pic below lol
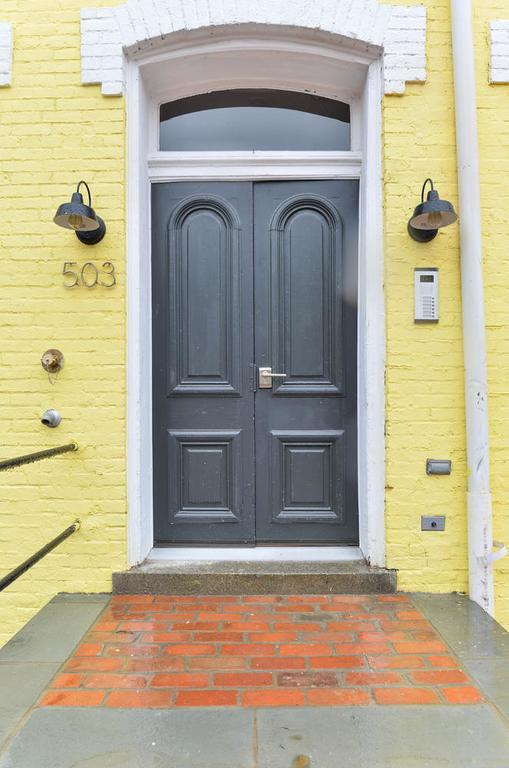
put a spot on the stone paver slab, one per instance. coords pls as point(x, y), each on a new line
point(383, 737)
point(492, 676)
point(20, 685)
point(81, 597)
point(53, 633)
point(77, 738)
point(470, 632)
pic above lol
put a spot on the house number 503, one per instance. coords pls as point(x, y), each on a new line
point(89, 274)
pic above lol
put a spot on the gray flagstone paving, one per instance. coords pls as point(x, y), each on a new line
point(474, 736)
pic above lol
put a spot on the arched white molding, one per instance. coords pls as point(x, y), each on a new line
point(499, 51)
point(399, 31)
point(5, 54)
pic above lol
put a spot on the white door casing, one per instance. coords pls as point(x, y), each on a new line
point(262, 61)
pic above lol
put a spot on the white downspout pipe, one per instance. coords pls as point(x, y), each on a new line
point(480, 536)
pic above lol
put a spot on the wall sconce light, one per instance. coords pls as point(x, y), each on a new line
point(430, 216)
point(90, 228)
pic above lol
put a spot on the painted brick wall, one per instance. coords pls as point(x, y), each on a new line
point(53, 132)
point(425, 405)
point(425, 391)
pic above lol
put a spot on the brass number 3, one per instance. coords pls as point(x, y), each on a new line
point(88, 276)
point(109, 268)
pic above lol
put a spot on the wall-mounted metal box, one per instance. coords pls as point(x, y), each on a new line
point(438, 466)
point(433, 523)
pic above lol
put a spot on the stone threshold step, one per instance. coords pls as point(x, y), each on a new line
point(251, 578)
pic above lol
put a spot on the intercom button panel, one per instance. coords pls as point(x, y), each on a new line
point(426, 295)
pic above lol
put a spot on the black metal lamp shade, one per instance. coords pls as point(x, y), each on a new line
point(430, 215)
point(81, 218)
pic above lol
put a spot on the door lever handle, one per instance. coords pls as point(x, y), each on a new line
point(265, 377)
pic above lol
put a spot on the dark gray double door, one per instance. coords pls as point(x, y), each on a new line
point(247, 275)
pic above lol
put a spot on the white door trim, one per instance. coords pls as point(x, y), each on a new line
point(145, 166)
point(160, 555)
point(238, 166)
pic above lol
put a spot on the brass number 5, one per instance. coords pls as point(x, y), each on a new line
point(66, 272)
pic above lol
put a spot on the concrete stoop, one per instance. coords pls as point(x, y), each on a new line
point(248, 578)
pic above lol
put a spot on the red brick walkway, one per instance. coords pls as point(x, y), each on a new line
point(260, 651)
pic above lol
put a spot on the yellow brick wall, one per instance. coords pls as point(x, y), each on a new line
point(424, 396)
point(54, 131)
point(425, 391)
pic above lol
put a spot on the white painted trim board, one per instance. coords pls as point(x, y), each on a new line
point(144, 163)
point(255, 554)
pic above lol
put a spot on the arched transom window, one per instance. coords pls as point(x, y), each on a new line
point(255, 119)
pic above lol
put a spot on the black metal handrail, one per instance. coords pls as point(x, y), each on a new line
point(29, 562)
point(37, 456)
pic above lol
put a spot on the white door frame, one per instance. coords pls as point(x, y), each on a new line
point(147, 86)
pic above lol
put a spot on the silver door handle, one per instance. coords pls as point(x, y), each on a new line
point(265, 377)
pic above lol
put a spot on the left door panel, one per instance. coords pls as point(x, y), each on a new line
point(202, 327)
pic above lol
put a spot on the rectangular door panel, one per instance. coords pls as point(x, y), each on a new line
point(209, 467)
point(307, 477)
point(306, 236)
point(203, 400)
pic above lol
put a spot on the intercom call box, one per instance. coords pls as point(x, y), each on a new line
point(426, 295)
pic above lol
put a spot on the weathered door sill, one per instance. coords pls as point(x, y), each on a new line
point(255, 554)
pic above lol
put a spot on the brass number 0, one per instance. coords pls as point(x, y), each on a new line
point(88, 276)
point(92, 269)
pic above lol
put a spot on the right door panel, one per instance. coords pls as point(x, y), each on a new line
point(305, 243)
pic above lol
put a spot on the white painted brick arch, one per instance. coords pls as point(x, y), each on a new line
point(397, 30)
point(5, 54)
point(499, 53)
